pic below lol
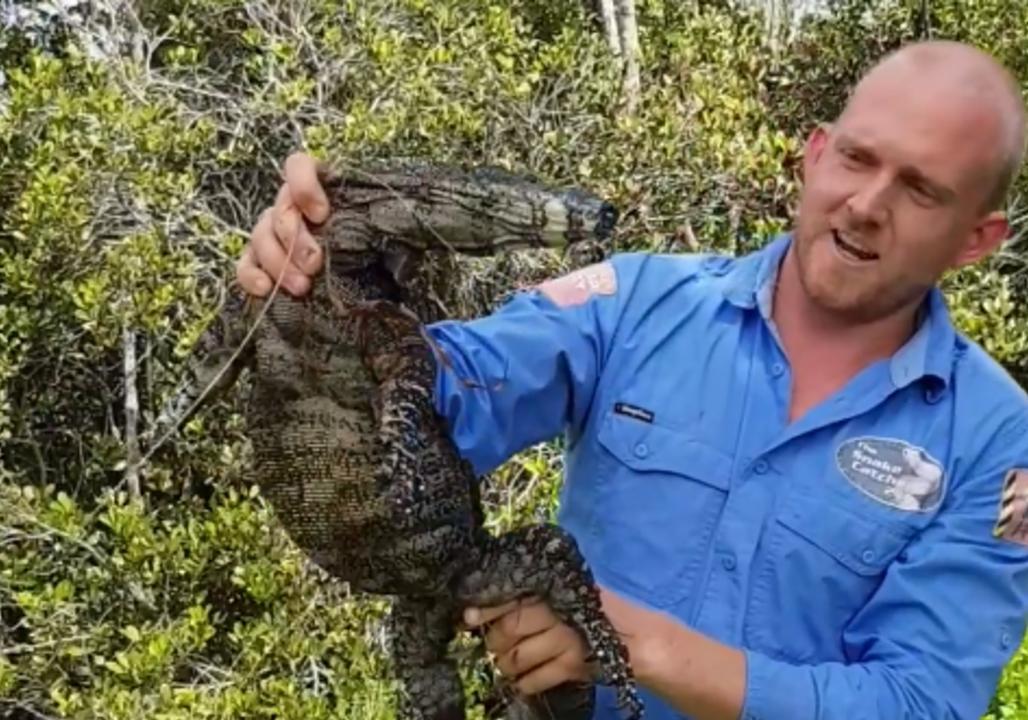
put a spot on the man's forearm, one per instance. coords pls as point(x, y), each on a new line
point(708, 680)
point(694, 674)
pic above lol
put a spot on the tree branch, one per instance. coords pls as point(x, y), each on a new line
point(131, 414)
point(610, 26)
point(628, 34)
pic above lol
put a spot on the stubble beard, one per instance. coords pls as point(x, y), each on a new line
point(836, 296)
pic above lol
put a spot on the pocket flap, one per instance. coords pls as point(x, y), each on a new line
point(649, 447)
point(864, 545)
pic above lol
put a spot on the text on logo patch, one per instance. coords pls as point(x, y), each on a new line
point(892, 471)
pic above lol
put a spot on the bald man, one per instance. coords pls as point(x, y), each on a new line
point(801, 490)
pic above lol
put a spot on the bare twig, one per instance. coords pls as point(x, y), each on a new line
point(128, 344)
point(629, 37)
point(610, 26)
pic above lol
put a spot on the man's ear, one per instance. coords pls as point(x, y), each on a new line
point(816, 143)
point(984, 239)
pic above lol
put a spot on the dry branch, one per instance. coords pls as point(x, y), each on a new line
point(131, 414)
point(610, 26)
point(628, 33)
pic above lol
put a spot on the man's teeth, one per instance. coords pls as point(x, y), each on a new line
point(851, 249)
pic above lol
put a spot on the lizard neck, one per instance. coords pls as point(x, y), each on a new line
point(353, 278)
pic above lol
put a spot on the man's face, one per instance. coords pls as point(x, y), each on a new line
point(893, 196)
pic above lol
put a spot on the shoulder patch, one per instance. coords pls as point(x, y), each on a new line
point(1012, 523)
point(577, 287)
point(892, 471)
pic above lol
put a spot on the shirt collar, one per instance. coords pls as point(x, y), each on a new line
point(750, 282)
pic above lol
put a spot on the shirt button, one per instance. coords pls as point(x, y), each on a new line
point(728, 562)
point(760, 467)
point(868, 556)
point(641, 450)
point(777, 369)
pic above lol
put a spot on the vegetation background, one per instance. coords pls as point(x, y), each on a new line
point(139, 141)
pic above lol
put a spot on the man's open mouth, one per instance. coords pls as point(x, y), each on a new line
point(851, 250)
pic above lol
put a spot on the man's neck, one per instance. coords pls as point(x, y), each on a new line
point(824, 350)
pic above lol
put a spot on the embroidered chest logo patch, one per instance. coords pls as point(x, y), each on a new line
point(1012, 523)
point(892, 472)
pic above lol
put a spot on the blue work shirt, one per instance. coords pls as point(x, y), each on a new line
point(855, 555)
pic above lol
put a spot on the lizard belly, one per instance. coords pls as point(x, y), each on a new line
point(315, 465)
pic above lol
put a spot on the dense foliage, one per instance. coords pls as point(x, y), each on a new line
point(138, 143)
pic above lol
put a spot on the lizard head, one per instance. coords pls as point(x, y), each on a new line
point(405, 210)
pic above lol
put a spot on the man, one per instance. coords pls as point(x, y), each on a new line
point(799, 487)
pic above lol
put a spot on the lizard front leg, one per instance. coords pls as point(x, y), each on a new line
point(396, 352)
point(421, 631)
point(544, 560)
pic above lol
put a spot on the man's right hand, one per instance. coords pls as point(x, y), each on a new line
point(282, 226)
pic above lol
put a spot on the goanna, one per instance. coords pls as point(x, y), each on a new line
point(347, 445)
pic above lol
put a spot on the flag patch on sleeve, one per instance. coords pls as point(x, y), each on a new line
point(577, 287)
point(1012, 523)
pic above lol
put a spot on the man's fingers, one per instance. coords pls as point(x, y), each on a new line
point(307, 195)
point(564, 668)
point(270, 256)
point(532, 652)
point(522, 622)
point(476, 616)
point(281, 244)
point(309, 259)
point(292, 232)
point(251, 278)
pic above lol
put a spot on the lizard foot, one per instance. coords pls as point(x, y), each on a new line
point(544, 560)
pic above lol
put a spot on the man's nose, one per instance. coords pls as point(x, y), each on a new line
point(869, 203)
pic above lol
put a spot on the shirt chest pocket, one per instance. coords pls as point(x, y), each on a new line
point(659, 495)
point(838, 555)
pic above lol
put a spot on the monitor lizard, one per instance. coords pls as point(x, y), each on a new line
point(349, 450)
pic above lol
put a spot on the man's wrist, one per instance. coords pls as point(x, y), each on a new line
point(693, 672)
point(650, 654)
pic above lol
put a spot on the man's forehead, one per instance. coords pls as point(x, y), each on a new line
point(921, 98)
point(950, 104)
point(923, 126)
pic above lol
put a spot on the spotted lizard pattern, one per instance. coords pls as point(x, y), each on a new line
point(348, 447)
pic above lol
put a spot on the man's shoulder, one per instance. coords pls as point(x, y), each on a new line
point(979, 375)
point(991, 407)
point(653, 274)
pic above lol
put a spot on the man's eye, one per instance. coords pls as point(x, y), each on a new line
point(923, 193)
point(852, 156)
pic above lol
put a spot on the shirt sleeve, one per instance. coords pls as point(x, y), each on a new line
point(527, 372)
point(937, 634)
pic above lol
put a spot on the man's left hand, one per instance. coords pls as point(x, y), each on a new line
point(536, 651)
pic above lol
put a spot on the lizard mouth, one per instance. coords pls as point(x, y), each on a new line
point(608, 218)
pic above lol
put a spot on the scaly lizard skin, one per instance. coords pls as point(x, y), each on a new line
point(348, 447)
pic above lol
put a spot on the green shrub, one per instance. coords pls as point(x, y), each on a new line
point(129, 182)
